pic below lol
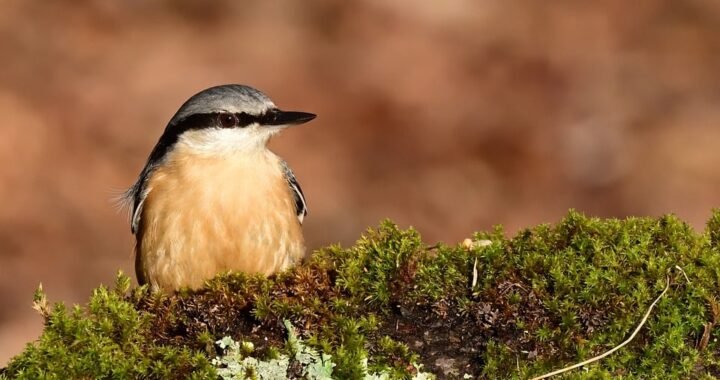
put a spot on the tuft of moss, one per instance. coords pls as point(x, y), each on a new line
point(108, 338)
point(515, 307)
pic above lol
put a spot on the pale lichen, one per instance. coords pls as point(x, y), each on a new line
point(237, 363)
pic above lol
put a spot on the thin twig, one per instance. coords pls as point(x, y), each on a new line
point(621, 345)
point(475, 275)
point(683, 272)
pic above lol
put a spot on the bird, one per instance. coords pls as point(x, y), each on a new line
point(212, 198)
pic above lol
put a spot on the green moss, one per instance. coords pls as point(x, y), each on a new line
point(514, 308)
point(109, 338)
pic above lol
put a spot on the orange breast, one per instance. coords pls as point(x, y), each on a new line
point(206, 215)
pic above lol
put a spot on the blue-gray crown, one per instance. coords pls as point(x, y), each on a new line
point(225, 98)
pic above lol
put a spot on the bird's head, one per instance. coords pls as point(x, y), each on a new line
point(228, 118)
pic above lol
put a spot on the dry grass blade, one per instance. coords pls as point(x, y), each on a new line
point(621, 345)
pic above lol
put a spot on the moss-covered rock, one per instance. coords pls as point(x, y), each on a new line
point(508, 308)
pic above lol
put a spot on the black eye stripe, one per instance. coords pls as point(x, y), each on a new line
point(241, 119)
point(214, 119)
point(245, 119)
point(268, 117)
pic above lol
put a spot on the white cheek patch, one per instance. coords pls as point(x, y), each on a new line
point(226, 140)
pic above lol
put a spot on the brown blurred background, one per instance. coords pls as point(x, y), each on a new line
point(448, 116)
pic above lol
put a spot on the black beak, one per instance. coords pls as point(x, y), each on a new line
point(278, 117)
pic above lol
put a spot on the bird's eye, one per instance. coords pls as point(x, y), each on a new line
point(228, 120)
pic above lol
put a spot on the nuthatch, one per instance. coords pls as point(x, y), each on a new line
point(212, 197)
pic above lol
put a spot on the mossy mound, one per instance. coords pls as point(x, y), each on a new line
point(511, 308)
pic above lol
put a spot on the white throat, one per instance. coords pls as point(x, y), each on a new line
point(220, 141)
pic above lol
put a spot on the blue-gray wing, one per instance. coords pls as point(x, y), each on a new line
point(301, 208)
